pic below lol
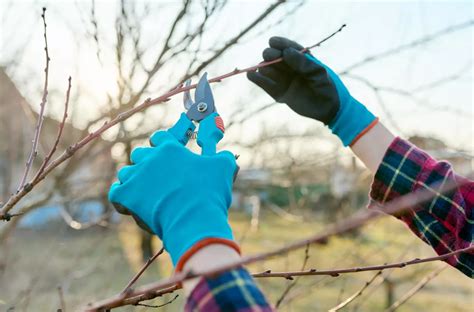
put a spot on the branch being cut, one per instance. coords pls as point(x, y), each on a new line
point(395, 206)
point(71, 150)
point(39, 124)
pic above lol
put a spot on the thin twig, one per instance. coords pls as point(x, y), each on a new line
point(337, 272)
point(134, 300)
point(39, 124)
point(409, 45)
point(356, 294)
point(395, 206)
point(377, 92)
point(278, 60)
point(384, 276)
point(71, 150)
point(95, 33)
point(293, 281)
point(157, 306)
point(235, 39)
point(144, 267)
point(122, 300)
point(58, 136)
point(415, 289)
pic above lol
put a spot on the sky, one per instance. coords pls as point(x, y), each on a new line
point(446, 111)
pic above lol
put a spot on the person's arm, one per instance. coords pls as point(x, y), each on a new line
point(313, 90)
point(234, 290)
point(372, 146)
point(445, 222)
point(183, 198)
point(205, 259)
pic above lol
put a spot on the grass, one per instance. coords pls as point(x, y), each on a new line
point(95, 264)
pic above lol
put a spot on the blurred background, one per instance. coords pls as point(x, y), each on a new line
point(409, 62)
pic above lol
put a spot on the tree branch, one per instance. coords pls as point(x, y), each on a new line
point(356, 294)
point(39, 124)
point(395, 206)
point(60, 132)
point(71, 150)
point(234, 40)
point(294, 282)
point(139, 273)
point(157, 305)
point(409, 45)
point(415, 289)
point(380, 267)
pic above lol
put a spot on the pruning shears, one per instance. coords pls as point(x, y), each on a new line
point(203, 111)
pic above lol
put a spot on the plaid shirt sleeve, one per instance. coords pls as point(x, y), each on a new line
point(230, 291)
point(446, 221)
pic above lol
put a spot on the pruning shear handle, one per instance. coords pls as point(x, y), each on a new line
point(211, 131)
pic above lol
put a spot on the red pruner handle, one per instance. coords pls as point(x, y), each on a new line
point(211, 131)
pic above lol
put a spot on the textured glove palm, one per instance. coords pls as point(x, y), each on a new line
point(311, 89)
point(179, 195)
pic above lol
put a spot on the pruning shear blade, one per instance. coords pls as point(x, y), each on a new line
point(203, 104)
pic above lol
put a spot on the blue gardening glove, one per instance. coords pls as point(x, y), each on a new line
point(311, 89)
point(178, 195)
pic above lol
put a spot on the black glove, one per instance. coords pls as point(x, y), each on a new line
point(312, 89)
point(299, 80)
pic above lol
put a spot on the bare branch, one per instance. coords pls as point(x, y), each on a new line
point(248, 115)
point(39, 124)
point(356, 294)
point(280, 21)
point(409, 45)
point(16, 217)
point(410, 94)
point(71, 150)
point(234, 40)
point(337, 272)
point(380, 100)
point(450, 78)
point(159, 305)
point(139, 273)
point(60, 132)
point(396, 206)
point(293, 282)
point(95, 33)
point(415, 289)
point(122, 300)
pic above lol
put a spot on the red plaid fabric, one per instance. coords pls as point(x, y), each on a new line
point(445, 222)
point(233, 291)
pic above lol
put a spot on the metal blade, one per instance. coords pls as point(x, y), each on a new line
point(187, 96)
point(204, 93)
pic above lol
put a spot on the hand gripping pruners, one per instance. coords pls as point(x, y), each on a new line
point(202, 111)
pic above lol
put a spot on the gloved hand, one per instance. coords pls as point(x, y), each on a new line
point(311, 89)
point(179, 195)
